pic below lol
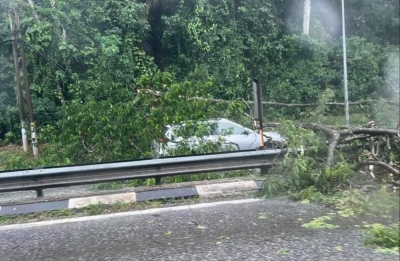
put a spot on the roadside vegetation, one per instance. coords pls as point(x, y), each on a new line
point(106, 79)
point(175, 179)
point(339, 179)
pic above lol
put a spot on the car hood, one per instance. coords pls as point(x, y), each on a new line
point(274, 136)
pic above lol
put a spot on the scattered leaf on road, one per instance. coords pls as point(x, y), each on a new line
point(201, 227)
point(320, 222)
point(262, 216)
point(283, 251)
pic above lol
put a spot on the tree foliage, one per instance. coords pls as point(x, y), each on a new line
point(88, 61)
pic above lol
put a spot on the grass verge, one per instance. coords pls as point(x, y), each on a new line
point(173, 179)
point(99, 209)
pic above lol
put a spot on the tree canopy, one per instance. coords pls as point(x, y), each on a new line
point(95, 65)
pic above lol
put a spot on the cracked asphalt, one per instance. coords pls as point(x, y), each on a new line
point(248, 230)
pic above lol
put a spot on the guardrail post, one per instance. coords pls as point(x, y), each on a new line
point(39, 193)
point(264, 171)
point(158, 180)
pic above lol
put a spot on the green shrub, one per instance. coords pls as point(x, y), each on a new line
point(379, 235)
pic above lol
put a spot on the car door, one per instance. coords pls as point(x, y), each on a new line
point(237, 135)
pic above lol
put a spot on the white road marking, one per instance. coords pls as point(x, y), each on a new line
point(125, 214)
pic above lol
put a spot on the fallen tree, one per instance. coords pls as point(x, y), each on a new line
point(379, 147)
point(376, 143)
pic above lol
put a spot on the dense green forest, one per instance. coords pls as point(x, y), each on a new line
point(95, 66)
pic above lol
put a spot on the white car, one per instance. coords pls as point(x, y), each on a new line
point(210, 136)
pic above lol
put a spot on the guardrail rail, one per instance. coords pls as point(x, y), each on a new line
point(39, 179)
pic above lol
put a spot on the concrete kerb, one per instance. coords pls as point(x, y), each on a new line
point(208, 190)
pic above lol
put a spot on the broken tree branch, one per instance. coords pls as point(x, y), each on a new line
point(378, 163)
point(370, 131)
point(345, 135)
point(353, 138)
point(269, 103)
point(90, 151)
point(32, 5)
point(332, 146)
point(343, 131)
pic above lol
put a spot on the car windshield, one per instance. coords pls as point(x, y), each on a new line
point(190, 129)
point(229, 128)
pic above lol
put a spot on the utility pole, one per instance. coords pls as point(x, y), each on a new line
point(28, 97)
point(258, 115)
point(346, 92)
point(18, 86)
point(306, 17)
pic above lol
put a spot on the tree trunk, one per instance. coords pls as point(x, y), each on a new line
point(31, 3)
point(63, 36)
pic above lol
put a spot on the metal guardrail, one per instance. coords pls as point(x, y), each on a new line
point(39, 179)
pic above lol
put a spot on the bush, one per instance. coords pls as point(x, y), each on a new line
point(306, 169)
point(383, 236)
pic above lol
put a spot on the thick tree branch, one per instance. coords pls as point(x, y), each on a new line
point(318, 127)
point(32, 5)
point(378, 163)
point(332, 146)
point(343, 131)
point(90, 151)
point(346, 135)
point(281, 104)
point(370, 131)
point(353, 138)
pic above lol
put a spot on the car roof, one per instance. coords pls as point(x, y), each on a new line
point(212, 120)
point(208, 120)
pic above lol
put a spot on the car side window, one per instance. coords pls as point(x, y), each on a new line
point(229, 129)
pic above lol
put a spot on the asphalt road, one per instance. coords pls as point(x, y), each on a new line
point(247, 230)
